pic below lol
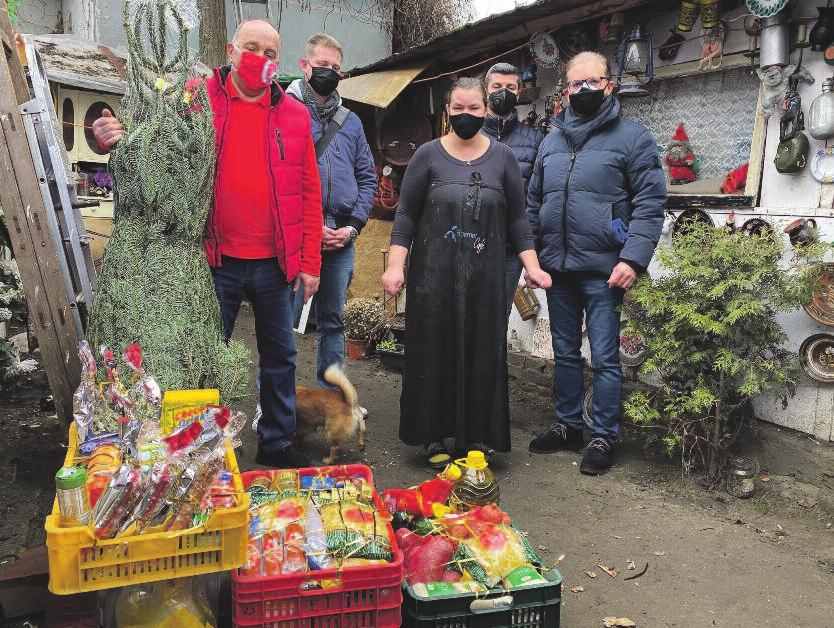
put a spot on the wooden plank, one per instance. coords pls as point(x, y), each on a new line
point(690, 68)
point(32, 242)
point(12, 54)
point(757, 152)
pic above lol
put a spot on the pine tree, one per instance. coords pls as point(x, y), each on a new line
point(155, 285)
point(709, 322)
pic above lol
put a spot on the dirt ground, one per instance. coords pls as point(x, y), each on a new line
point(712, 560)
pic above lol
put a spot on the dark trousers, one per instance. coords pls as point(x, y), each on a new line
point(264, 284)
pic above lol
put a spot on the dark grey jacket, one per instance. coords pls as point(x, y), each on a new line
point(597, 194)
point(522, 139)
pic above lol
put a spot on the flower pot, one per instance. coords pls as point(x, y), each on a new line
point(392, 360)
point(357, 349)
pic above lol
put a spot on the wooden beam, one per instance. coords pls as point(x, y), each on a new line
point(755, 162)
point(690, 68)
point(33, 245)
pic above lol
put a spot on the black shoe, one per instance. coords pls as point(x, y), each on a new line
point(597, 458)
point(558, 437)
point(287, 458)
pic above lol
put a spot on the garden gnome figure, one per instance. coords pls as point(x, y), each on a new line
point(680, 159)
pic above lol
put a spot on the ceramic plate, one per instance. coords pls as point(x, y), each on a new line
point(821, 308)
point(687, 218)
point(817, 354)
point(766, 8)
point(545, 51)
point(757, 227)
point(822, 165)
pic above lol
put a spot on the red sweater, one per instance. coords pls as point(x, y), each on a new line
point(293, 178)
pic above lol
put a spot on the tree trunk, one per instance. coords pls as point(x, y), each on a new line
point(715, 440)
point(213, 34)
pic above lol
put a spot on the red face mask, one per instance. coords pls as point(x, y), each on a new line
point(255, 71)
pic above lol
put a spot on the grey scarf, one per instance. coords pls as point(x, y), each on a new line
point(326, 109)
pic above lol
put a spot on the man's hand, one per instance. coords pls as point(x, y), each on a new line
point(310, 283)
point(538, 279)
point(393, 280)
point(332, 239)
point(107, 130)
point(623, 276)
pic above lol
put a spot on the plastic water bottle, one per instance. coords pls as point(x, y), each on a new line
point(476, 486)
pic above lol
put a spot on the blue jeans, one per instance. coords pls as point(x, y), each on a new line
point(264, 284)
point(512, 267)
point(336, 273)
point(571, 294)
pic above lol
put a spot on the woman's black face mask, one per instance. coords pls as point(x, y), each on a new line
point(465, 125)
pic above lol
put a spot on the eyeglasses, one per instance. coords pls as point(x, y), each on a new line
point(594, 82)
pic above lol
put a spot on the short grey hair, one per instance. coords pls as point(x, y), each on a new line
point(502, 68)
point(590, 55)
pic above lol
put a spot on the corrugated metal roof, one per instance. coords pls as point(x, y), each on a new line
point(78, 62)
point(497, 30)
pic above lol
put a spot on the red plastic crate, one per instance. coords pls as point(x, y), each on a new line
point(365, 597)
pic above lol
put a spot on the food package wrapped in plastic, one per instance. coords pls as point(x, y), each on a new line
point(356, 530)
point(278, 514)
point(492, 552)
point(180, 603)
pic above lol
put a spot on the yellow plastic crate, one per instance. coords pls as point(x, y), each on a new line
point(79, 562)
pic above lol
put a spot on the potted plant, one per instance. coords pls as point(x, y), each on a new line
point(364, 323)
point(391, 354)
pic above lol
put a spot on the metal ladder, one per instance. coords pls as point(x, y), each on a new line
point(59, 198)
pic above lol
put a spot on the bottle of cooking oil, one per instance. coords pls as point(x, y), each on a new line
point(476, 486)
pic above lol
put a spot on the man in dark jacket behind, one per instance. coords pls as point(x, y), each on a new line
point(595, 203)
point(502, 124)
point(348, 182)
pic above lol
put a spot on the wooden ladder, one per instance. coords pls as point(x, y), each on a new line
point(38, 249)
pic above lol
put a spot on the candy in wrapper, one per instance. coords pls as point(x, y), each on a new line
point(153, 502)
point(85, 397)
point(117, 502)
point(203, 475)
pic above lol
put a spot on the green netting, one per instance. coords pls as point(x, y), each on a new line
point(155, 286)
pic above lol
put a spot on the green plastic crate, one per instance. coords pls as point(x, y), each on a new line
point(536, 606)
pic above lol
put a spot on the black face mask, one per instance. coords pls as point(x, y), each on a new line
point(324, 81)
point(502, 102)
point(587, 101)
point(466, 125)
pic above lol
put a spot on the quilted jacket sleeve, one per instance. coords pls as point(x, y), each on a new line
point(647, 184)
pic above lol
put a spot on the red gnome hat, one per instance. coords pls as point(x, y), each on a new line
point(680, 134)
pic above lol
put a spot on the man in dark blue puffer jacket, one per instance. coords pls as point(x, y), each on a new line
point(595, 203)
point(502, 124)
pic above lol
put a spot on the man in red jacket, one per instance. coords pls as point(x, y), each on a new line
point(263, 235)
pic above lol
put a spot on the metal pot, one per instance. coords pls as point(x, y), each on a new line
point(774, 46)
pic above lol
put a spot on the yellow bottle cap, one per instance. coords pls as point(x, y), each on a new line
point(475, 460)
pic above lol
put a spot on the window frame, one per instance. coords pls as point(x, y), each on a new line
point(752, 188)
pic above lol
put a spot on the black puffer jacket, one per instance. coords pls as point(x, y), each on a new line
point(522, 139)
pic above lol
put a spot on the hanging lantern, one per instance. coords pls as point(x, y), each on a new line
point(612, 28)
point(526, 302)
point(636, 63)
point(822, 34)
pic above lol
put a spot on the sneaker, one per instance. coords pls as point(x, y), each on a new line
point(364, 412)
point(287, 458)
point(258, 414)
point(558, 437)
point(597, 458)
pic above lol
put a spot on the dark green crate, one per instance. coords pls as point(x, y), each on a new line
point(535, 606)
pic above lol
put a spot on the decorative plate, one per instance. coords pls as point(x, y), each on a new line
point(817, 355)
point(757, 227)
point(574, 39)
point(822, 165)
point(545, 51)
point(689, 217)
point(821, 308)
point(766, 8)
point(586, 407)
point(633, 351)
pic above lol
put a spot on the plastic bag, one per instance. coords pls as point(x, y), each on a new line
point(355, 530)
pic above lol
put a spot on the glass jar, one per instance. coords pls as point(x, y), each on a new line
point(821, 115)
point(741, 478)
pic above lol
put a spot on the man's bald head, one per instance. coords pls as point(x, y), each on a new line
point(258, 36)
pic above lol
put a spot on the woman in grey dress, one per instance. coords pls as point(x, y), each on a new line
point(461, 199)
